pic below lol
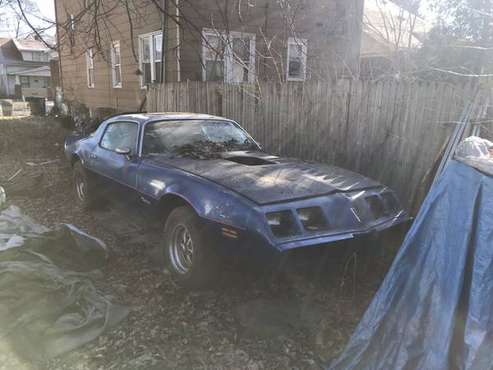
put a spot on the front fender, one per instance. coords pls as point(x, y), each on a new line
point(209, 200)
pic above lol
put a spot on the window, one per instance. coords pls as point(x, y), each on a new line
point(25, 82)
point(150, 50)
point(228, 57)
point(90, 67)
point(38, 56)
point(213, 57)
point(116, 68)
point(120, 135)
point(185, 137)
point(296, 63)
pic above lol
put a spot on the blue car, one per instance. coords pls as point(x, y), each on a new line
point(217, 193)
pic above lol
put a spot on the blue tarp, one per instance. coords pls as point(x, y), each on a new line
point(434, 309)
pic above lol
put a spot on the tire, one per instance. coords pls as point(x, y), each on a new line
point(189, 256)
point(84, 192)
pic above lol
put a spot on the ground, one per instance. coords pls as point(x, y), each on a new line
point(298, 318)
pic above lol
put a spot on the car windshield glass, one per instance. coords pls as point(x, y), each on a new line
point(198, 138)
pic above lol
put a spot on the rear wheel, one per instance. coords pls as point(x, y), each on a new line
point(83, 189)
point(189, 255)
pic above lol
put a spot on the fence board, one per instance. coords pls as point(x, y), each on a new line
point(389, 130)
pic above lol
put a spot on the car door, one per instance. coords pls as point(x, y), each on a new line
point(152, 180)
point(115, 159)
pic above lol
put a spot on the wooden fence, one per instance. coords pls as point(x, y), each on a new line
point(391, 131)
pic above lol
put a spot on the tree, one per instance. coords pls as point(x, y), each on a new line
point(23, 18)
point(470, 20)
point(462, 42)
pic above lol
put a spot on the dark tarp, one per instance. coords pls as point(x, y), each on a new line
point(49, 303)
point(434, 309)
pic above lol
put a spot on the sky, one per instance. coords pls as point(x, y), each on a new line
point(9, 19)
point(47, 8)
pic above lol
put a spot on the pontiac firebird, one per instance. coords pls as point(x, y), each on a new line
point(215, 191)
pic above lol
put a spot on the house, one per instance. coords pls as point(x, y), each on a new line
point(390, 34)
point(110, 54)
point(24, 69)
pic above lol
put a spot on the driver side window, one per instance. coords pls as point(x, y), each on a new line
point(120, 135)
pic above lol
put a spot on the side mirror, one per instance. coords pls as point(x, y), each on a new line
point(123, 151)
point(127, 152)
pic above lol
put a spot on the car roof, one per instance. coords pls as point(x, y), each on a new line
point(163, 116)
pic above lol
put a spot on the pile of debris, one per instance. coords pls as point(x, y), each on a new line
point(433, 310)
point(476, 152)
point(49, 301)
point(9, 107)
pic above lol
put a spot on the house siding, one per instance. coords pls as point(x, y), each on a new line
point(332, 28)
point(73, 59)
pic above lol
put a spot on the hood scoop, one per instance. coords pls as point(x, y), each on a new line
point(249, 160)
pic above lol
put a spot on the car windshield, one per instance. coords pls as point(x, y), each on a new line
point(196, 138)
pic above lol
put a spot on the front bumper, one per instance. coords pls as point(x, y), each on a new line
point(344, 216)
point(342, 235)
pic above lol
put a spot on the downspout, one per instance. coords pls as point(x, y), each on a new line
point(178, 42)
point(58, 46)
point(164, 24)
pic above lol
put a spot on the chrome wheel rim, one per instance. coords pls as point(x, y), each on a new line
point(80, 188)
point(181, 249)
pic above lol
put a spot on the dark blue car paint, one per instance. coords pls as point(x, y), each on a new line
point(212, 189)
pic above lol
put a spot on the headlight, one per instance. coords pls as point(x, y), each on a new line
point(376, 206)
point(312, 218)
point(391, 203)
point(281, 223)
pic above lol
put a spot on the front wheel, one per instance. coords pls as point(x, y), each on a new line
point(190, 257)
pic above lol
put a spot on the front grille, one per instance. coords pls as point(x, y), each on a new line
point(391, 203)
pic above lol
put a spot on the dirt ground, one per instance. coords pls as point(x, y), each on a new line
point(296, 319)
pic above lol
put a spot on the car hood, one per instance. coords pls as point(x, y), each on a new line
point(268, 179)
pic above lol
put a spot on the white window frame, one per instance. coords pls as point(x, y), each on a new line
point(152, 60)
point(115, 45)
point(90, 67)
point(294, 41)
point(228, 57)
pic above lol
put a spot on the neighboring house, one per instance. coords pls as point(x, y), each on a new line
point(24, 69)
point(109, 62)
point(390, 33)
